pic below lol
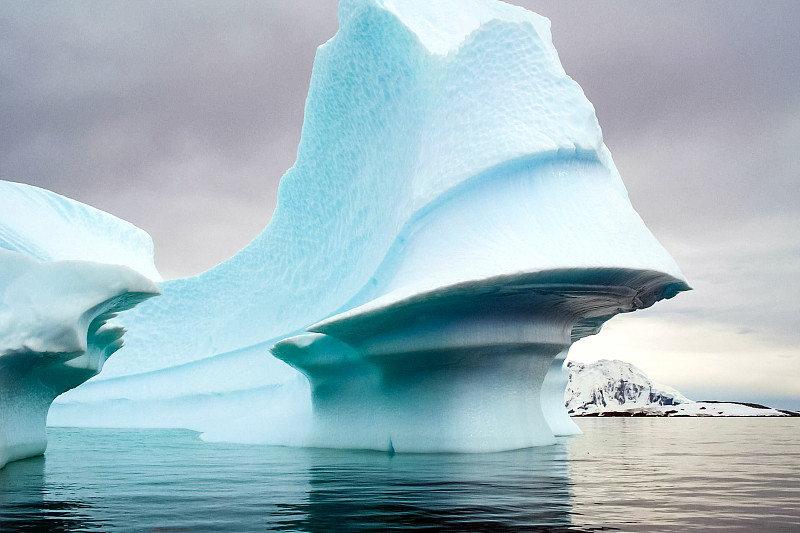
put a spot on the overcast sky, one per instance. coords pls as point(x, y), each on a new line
point(182, 116)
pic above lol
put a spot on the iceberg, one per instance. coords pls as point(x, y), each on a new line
point(54, 336)
point(452, 224)
point(66, 270)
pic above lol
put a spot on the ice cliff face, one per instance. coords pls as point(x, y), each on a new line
point(452, 224)
point(614, 386)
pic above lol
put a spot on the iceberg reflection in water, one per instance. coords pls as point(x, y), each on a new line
point(621, 474)
point(171, 481)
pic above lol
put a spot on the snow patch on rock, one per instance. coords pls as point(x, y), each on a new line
point(612, 386)
point(617, 388)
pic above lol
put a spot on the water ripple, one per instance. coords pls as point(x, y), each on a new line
point(621, 475)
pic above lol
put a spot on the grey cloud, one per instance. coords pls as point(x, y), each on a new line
point(642, 60)
point(698, 102)
point(153, 74)
point(116, 104)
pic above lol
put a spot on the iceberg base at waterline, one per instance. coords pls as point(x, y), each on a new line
point(54, 336)
point(460, 369)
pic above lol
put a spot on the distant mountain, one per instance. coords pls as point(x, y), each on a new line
point(616, 388)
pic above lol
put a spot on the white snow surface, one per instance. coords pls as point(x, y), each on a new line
point(443, 144)
point(718, 409)
point(616, 386)
point(613, 386)
point(45, 303)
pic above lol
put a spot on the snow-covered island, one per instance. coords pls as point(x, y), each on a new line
point(616, 388)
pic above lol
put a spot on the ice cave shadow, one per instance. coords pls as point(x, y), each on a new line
point(524, 490)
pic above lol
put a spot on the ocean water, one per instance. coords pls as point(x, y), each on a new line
point(622, 474)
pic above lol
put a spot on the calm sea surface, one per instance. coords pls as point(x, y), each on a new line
point(622, 474)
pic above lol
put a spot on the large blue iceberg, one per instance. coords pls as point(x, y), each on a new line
point(453, 223)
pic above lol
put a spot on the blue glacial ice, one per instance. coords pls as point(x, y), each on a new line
point(452, 224)
point(60, 285)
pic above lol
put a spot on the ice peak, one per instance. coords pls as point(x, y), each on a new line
point(442, 26)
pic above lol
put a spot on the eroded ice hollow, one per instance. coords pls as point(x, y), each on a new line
point(452, 224)
point(61, 282)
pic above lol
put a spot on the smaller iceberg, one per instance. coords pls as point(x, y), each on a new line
point(55, 305)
